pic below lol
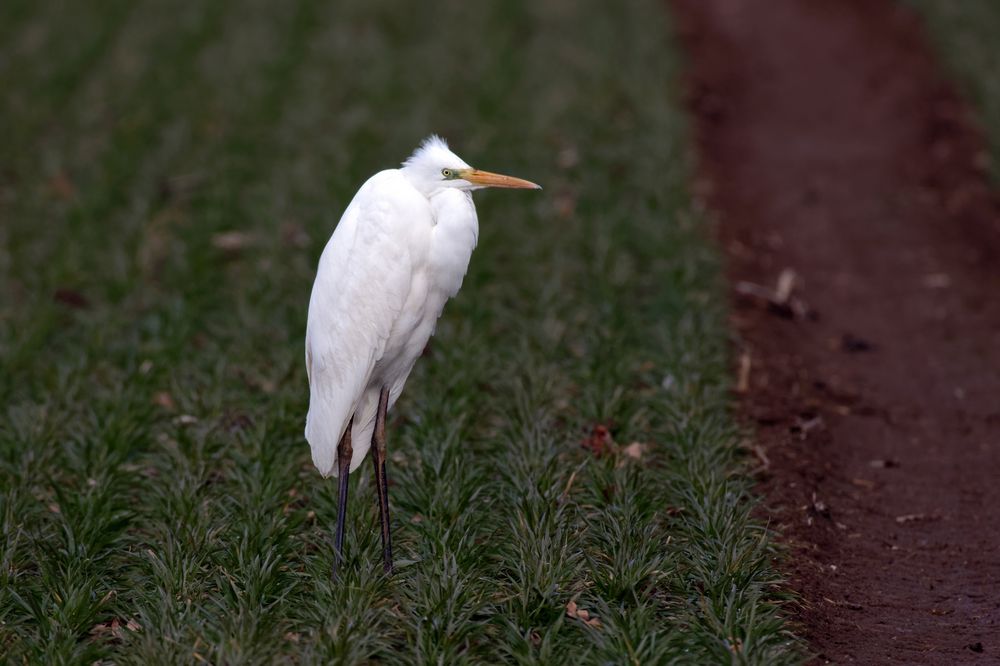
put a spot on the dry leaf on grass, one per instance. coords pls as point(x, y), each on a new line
point(599, 440)
point(115, 628)
point(574, 611)
point(232, 241)
point(634, 451)
point(165, 400)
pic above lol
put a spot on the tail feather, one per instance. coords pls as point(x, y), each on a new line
point(325, 425)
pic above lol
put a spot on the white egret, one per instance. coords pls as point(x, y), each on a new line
point(399, 253)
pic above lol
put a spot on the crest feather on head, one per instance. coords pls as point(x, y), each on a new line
point(433, 150)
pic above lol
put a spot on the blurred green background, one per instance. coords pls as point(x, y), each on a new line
point(169, 173)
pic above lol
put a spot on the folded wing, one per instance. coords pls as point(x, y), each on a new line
point(361, 286)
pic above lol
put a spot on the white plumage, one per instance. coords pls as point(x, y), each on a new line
point(398, 254)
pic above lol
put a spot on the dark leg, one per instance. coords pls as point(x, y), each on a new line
point(381, 482)
point(344, 453)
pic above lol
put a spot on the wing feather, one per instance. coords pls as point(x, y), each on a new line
point(364, 277)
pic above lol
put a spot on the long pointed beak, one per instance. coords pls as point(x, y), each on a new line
point(489, 179)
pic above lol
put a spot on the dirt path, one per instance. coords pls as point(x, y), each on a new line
point(832, 146)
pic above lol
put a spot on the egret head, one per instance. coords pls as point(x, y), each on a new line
point(433, 167)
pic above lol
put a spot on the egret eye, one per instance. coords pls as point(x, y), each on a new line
point(447, 173)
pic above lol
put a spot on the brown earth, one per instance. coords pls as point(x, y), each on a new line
point(831, 145)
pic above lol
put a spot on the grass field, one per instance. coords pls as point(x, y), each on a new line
point(169, 173)
point(965, 34)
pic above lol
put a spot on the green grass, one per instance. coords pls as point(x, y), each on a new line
point(965, 34)
point(158, 501)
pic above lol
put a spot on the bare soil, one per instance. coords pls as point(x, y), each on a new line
point(832, 146)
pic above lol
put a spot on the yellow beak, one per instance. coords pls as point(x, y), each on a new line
point(488, 179)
